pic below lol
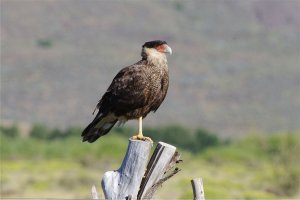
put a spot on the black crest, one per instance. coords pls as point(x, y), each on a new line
point(153, 44)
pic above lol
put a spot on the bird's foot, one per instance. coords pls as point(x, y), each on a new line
point(141, 137)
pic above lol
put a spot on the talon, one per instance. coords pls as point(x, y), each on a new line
point(141, 137)
point(148, 139)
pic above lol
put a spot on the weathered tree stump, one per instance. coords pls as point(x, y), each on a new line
point(161, 161)
point(133, 180)
point(127, 179)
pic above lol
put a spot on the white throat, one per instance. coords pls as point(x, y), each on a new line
point(155, 57)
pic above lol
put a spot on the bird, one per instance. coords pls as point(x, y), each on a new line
point(135, 91)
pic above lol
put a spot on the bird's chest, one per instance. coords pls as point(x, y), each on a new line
point(156, 83)
point(154, 78)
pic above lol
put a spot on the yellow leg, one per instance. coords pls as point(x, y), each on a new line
point(140, 127)
point(140, 135)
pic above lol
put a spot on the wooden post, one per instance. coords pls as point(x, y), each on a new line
point(156, 168)
point(94, 193)
point(198, 190)
point(126, 180)
point(131, 181)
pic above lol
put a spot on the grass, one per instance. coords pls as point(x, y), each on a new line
point(254, 167)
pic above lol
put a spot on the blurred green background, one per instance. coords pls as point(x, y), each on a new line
point(54, 163)
point(232, 109)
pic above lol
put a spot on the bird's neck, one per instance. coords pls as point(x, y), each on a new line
point(153, 57)
point(157, 59)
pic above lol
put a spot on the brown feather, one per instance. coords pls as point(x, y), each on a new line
point(134, 92)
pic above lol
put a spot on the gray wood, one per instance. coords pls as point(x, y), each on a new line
point(169, 173)
point(198, 190)
point(94, 193)
point(157, 166)
point(127, 179)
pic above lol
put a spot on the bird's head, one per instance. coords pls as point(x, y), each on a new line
point(156, 49)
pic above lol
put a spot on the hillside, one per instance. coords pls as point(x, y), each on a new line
point(235, 67)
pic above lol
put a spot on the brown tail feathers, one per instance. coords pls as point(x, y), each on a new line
point(100, 126)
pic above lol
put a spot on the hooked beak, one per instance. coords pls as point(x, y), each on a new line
point(164, 49)
point(167, 49)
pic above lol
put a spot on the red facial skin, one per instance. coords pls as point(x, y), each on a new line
point(162, 48)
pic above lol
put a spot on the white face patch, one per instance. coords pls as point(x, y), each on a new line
point(155, 57)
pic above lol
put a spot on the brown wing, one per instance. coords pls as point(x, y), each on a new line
point(128, 91)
